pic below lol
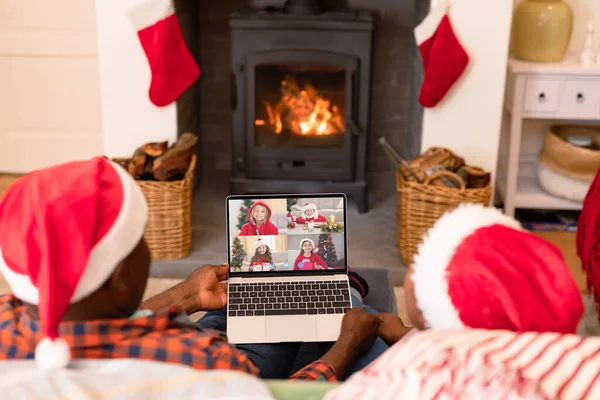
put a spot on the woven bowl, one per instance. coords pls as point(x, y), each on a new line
point(568, 160)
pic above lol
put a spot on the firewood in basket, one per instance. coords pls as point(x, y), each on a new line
point(123, 162)
point(443, 180)
point(474, 177)
point(443, 157)
point(156, 149)
point(138, 162)
point(175, 159)
point(147, 175)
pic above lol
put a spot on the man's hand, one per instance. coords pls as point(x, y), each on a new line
point(357, 335)
point(391, 328)
point(205, 283)
point(201, 291)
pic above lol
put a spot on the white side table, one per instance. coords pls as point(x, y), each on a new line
point(555, 91)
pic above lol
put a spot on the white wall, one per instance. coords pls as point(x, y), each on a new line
point(468, 119)
point(129, 119)
point(584, 11)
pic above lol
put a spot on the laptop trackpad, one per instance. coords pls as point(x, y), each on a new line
point(246, 330)
point(292, 328)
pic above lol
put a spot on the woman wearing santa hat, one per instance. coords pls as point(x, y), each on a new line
point(310, 214)
point(477, 268)
point(495, 310)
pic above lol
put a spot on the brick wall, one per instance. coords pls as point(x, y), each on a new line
point(395, 112)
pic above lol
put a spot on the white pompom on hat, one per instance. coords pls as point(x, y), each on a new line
point(63, 231)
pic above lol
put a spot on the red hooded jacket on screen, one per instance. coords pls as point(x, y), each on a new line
point(267, 228)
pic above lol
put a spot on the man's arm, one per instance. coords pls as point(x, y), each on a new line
point(181, 296)
point(203, 290)
point(357, 335)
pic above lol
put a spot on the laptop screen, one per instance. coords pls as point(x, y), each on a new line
point(280, 235)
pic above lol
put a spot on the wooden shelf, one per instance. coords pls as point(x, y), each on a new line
point(564, 91)
point(566, 67)
point(531, 195)
point(529, 192)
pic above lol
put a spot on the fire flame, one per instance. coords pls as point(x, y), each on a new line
point(303, 111)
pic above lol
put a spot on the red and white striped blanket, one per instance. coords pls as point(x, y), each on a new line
point(480, 364)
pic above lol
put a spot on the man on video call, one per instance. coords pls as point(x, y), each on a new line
point(73, 253)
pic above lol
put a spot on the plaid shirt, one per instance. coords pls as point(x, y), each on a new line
point(168, 336)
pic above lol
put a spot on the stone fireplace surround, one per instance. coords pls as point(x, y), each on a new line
point(206, 107)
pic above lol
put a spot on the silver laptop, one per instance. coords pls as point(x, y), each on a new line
point(288, 278)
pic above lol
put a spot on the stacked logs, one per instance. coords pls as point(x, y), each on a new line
point(434, 161)
point(158, 162)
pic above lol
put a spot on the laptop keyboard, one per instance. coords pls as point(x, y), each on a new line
point(284, 298)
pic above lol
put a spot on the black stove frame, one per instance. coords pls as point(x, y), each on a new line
point(339, 39)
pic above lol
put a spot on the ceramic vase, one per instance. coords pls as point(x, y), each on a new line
point(542, 30)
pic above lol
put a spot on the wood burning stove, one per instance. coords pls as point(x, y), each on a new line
point(301, 100)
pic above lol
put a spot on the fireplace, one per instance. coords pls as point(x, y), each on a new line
point(301, 95)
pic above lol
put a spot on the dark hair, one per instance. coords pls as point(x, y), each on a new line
point(302, 250)
point(258, 256)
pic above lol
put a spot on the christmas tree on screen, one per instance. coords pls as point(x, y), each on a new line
point(291, 202)
point(243, 216)
point(327, 250)
point(237, 254)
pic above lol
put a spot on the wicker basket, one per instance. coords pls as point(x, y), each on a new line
point(169, 231)
point(420, 205)
point(569, 160)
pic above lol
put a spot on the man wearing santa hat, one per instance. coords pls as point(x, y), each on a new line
point(73, 252)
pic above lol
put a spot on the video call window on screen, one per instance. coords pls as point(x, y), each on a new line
point(286, 234)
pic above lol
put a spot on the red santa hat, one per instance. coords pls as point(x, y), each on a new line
point(261, 242)
point(311, 242)
point(477, 268)
point(63, 230)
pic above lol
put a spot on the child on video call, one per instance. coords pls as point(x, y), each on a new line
point(259, 221)
point(307, 259)
point(262, 255)
point(310, 214)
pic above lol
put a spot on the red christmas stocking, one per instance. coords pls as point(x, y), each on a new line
point(444, 58)
point(173, 67)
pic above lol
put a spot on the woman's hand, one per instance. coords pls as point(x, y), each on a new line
point(391, 328)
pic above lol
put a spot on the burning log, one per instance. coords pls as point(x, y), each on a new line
point(303, 111)
point(176, 160)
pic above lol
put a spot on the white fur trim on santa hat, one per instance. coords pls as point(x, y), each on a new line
point(261, 242)
point(309, 206)
point(311, 242)
point(148, 12)
point(117, 243)
point(52, 354)
point(436, 252)
point(427, 27)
